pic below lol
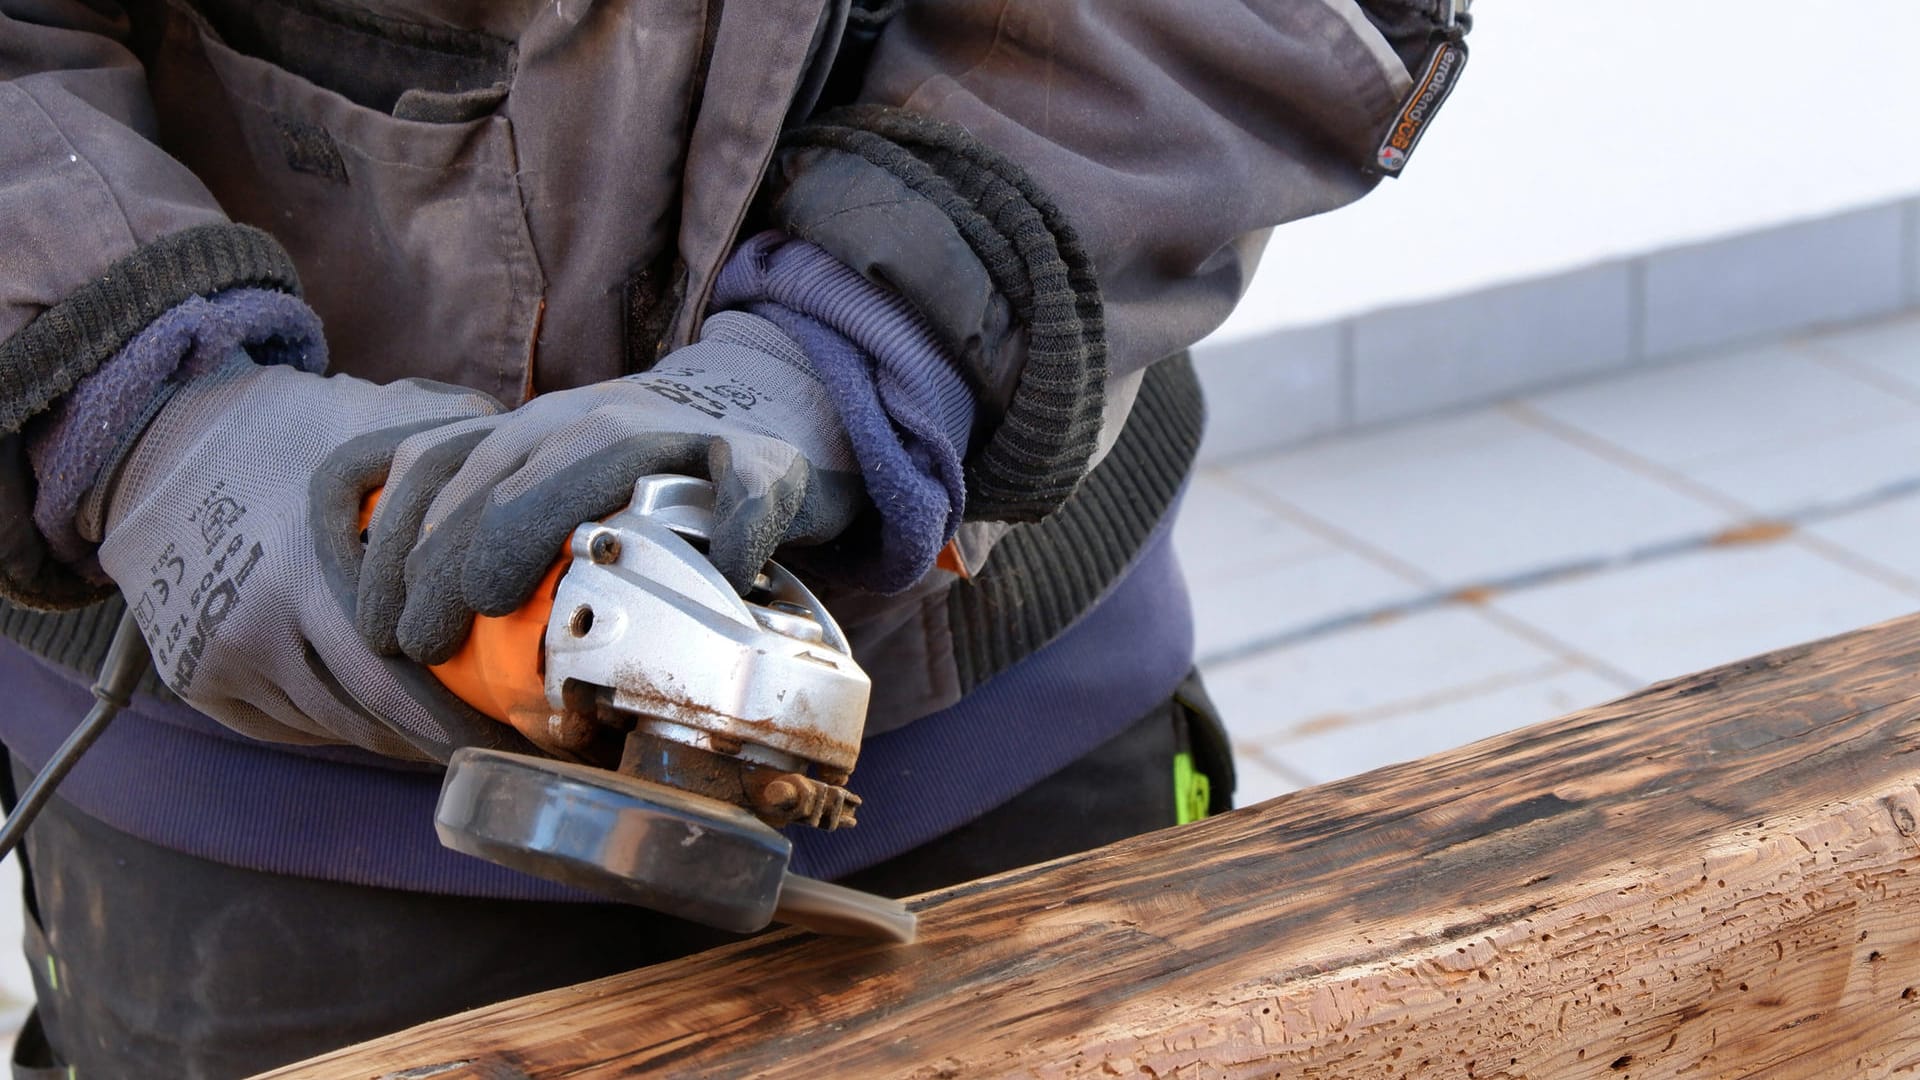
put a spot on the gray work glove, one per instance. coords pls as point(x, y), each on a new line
point(232, 525)
point(478, 511)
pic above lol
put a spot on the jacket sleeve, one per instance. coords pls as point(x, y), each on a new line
point(105, 231)
point(1158, 142)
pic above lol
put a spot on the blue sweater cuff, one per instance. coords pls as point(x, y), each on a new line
point(74, 444)
point(901, 343)
point(908, 411)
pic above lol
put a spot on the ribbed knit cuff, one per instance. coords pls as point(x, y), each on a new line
point(905, 353)
point(1045, 575)
point(907, 412)
point(1040, 450)
point(69, 340)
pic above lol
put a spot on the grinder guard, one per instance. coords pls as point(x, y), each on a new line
point(643, 618)
point(730, 716)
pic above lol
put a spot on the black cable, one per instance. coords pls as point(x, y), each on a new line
point(126, 661)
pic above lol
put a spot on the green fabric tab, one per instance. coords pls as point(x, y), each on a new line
point(1191, 790)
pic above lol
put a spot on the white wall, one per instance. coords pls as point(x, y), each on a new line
point(1585, 131)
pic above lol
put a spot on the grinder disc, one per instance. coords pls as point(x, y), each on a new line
point(644, 843)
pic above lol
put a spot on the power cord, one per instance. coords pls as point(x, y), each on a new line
point(126, 661)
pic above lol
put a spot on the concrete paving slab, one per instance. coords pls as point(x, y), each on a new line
point(1887, 534)
point(1289, 691)
point(1260, 603)
point(1364, 452)
point(1479, 496)
point(1415, 732)
point(1223, 531)
point(1830, 471)
point(1725, 407)
point(1677, 615)
point(1911, 278)
point(1890, 347)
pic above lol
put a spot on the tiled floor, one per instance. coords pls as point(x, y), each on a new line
point(1382, 596)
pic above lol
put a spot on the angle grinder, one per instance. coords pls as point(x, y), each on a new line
point(686, 725)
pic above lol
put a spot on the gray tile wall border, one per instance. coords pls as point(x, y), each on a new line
point(1275, 390)
point(1294, 385)
point(1912, 263)
point(1763, 284)
point(1410, 361)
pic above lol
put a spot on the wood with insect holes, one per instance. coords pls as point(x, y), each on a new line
point(1716, 877)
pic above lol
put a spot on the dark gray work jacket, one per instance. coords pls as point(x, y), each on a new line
point(527, 195)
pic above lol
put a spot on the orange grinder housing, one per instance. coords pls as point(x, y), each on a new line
point(499, 669)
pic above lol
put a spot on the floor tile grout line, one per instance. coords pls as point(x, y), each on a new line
point(1286, 772)
point(1445, 596)
point(1441, 596)
point(1663, 549)
point(1820, 351)
point(1526, 413)
point(1637, 313)
point(1331, 533)
point(1858, 563)
point(1529, 414)
point(1805, 349)
point(1351, 722)
point(1540, 636)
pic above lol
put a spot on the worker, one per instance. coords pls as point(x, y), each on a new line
point(910, 283)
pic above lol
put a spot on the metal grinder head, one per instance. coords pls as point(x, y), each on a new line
point(694, 721)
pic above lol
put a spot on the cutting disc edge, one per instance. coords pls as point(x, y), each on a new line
point(646, 844)
point(826, 908)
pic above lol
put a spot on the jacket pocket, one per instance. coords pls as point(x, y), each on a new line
point(394, 191)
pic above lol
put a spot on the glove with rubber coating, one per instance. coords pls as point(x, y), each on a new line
point(233, 527)
point(481, 509)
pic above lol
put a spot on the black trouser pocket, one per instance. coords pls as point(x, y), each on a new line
point(33, 1059)
point(1203, 760)
point(33, 1055)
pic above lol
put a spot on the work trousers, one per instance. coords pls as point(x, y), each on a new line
point(151, 963)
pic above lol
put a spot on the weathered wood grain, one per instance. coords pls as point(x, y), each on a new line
point(1717, 877)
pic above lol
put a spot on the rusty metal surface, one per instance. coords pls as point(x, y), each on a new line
point(645, 620)
point(794, 798)
point(775, 795)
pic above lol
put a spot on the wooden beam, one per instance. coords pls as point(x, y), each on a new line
point(1718, 876)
